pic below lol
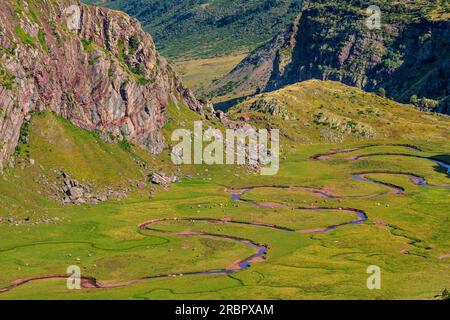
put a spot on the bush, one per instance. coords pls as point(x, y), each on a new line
point(125, 145)
point(424, 104)
point(445, 294)
point(382, 92)
point(87, 45)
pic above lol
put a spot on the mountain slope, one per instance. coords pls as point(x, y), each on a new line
point(406, 57)
point(202, 28)
point(253, 73)
point(101, 71)
point(317, 111)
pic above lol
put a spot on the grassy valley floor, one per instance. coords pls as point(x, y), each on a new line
point(199, 74)
point(405, 234)
point(377, 196)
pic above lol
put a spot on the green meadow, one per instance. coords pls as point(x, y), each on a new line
point(406, 235)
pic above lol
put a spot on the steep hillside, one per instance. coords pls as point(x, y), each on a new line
point(206, 28)
point(253, 73)
point(57, 151)
point(407, 57)
point(93, 66)
point(57, 163)
point(317, 111)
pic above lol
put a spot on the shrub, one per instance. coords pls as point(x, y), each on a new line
point(7, 80)
point(445, 294)
point(87, 45)
point(125, 145)
point(425, 104)
point(382, 92)
point(133, 44)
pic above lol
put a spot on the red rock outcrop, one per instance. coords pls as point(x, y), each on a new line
point(94, 66)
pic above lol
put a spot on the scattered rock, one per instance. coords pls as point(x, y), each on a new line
point(271, 106)
point(162, 179)
point(141, 185)
point(76, 193)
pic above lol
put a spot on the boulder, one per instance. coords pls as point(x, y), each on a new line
point(162, 179)
point(75, 193)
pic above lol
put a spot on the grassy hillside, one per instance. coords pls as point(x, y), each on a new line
point(202, 28)
point(327, 111)
point(50, 144)
point(406, 58)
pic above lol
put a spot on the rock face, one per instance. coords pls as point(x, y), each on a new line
point(330, 40)
point(270, 106)
point(73, 192)
point(254, 72)
point(94, 66)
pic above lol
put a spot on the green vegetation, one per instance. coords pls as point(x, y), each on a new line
point(445, 294)
point(42, 40)
point(406, 235)
point(93, 59)
point(200, 28)
point(24, 37)
point(133, 44)
point(424, 104)
point(382, 92)
point(57, 144)
point(7, 80)
point(125, 145)
point(199, 74)
point(88, 46)
point(142, 80)
point(329, 111)
point(332, 41)
point(103, 240)
point(8, 51)
point(137, 70)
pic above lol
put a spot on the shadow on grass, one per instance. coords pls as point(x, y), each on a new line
point(225, 105)
point(445, 160)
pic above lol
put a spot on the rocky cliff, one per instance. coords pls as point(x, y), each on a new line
point(406, 57)
point(254, 72)
point(93, 66)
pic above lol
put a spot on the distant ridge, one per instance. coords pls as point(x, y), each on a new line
point(406, 59)
point(207, 28)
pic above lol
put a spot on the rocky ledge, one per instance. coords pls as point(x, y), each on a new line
point(93, 66)
point(73, 192)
